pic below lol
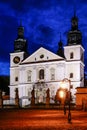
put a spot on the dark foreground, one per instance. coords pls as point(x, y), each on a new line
point(26, 119)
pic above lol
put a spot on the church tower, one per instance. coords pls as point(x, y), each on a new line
point(20, 43)
point(74, 54)
point(74, 35)
point(60, 50)
point(19, 54)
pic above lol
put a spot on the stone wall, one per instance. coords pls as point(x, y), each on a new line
point(81, 98)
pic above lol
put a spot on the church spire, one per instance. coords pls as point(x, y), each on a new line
point(74, 22)
point(74, 35)
point(20, 44)
point(60, 51)
point(20, 30)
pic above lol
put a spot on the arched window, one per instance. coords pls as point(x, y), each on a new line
point(71, 75)
point(41, 74)
point(16, 78)
point(52, 73)
point(29, 75)
point(71, 55)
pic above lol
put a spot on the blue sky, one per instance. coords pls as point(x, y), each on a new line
point(43, 21)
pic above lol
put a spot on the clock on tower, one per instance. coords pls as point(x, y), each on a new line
point(16, 59)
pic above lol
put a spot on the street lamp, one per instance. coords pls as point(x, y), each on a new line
point(66, 84)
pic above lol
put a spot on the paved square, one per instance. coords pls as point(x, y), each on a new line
point(27, 119)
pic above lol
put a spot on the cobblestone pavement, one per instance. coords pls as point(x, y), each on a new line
point(27, 119)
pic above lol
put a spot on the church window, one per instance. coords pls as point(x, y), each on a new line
point(52, 71)
point(71, 86)
point(29, 75)
point(71, 55)
point(41, 56)
point(71, 75)
point(16, 78)
point(41, 74)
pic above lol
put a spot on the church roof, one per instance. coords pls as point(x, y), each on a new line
point(42, 55)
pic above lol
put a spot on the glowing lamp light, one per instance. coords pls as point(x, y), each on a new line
point(61, 94)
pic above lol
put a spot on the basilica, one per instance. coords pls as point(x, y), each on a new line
point(44, 70)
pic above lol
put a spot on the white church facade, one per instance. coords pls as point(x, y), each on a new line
point(44, 69)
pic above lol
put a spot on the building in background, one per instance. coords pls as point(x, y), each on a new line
point(44, 69)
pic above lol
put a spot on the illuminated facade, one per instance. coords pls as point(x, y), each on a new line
point(44, 69)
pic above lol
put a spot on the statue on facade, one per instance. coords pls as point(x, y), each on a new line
point(33, 97)
point(48, 97)
point(16, 97)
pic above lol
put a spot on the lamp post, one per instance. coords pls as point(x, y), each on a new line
point(64, 83)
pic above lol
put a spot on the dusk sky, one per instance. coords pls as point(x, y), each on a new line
point(43, 21)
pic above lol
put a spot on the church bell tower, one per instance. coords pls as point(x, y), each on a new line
point(19, 54)
point(20, 48)
point(20, 44)
point(74, 54)
point(74, 35)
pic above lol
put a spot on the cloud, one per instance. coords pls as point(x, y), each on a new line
point(7, 36)
point(43, 21)
point(4, 68)
point(46, 32)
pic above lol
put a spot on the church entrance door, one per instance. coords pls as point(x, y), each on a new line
point(40, 96)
